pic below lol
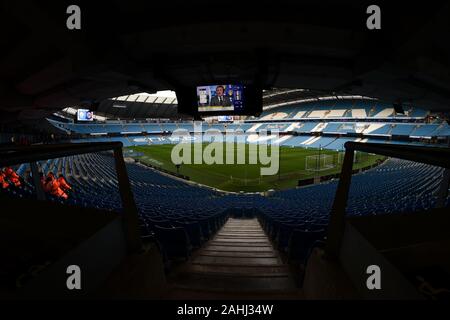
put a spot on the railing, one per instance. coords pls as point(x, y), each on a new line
point(30, 154)
point(428, 155)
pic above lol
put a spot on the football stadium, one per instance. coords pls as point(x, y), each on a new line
point(303, 158)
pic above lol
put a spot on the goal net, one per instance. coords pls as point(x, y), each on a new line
point(318, 163)
point(357, 158)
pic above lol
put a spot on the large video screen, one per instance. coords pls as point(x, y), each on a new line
point(217, 98)
point(85, 115)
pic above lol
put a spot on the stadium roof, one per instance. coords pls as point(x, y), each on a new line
point(161, 97)
point(127, 47)
point(278, 97)
point(162, 104)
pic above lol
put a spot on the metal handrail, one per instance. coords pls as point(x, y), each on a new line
point(15, 155)
point(22, 154)
point(428, 155)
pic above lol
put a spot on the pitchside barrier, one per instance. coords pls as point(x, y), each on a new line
point(305, 182)
point(266, 179)
point(182, 176)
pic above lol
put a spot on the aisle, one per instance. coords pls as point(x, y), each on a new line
point(238, 262)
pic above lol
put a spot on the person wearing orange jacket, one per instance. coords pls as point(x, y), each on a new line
point(12, 176)
point(3, 182)
point(56, 190)
point(63, 183)
point(53, 186)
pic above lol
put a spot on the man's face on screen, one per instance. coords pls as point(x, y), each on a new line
point(219, 91)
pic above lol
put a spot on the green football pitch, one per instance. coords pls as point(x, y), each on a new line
point(294, 164)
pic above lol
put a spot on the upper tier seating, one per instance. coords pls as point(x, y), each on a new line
point(366, 128)
point(324, 109)
point(425, 130)
point(359, 109)
point(403, 129)
point(289, 140)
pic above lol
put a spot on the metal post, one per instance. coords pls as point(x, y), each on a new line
point(130, 212)
point(337, 215)
point(279, 172)
point(40, 195)
point(443, 189)
point(320, 154)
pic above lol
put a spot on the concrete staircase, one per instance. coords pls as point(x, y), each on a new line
point(239, 262)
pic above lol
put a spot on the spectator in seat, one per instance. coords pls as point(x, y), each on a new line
point(53, 186)
point(12, 176)
point(63, 183)
point(3, 182)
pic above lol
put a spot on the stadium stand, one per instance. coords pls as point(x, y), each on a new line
point(394, 186)
point(402, 129)
point(92, 106)
point(425, 130)
point(185, 230)
point(340, 120)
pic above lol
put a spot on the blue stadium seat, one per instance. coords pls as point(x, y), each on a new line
point(174, 242)
point(300, 244)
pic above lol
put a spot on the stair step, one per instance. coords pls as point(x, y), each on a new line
point(241, 284)
point(239, 240)
point(215, 253)
point(237, 261)
point(239, 271)
point(225, 247)
point(241, 244)
point(239, 258)
point(238, 234)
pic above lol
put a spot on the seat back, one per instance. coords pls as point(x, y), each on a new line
point(301, 242)
point(174, 241)
point(193, 231)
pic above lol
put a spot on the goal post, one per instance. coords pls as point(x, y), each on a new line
point(319, 162)
point(358, 157)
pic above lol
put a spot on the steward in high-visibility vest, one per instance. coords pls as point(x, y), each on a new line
point(63, 183)
point(56, 190)
point(12, 176)
point(3, 182)
point(54, 186)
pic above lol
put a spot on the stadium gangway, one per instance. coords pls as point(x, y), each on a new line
point(433, 156)
point(31, 154)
